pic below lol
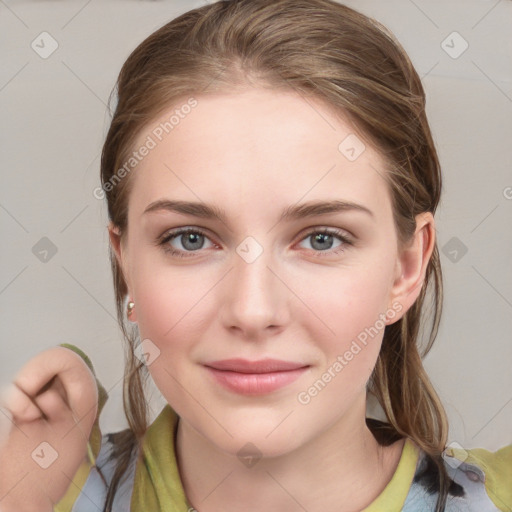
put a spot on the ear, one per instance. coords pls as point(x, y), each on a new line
point(120, 254)
point(412, 264)
point(115, 241)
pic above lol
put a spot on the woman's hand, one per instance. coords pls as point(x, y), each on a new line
point(53, 402)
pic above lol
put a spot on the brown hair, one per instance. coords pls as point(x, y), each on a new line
point(353, 64)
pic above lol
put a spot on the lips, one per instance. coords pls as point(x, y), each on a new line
point(262, 366)
point(255, 377)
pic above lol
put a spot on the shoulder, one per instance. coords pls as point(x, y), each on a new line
point(480, 481)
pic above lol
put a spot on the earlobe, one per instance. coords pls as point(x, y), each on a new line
point(412, 263)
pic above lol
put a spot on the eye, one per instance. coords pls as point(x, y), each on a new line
point(323, 240)
point(190, 239)
point(193, 240)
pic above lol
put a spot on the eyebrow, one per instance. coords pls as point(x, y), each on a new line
point(295, 212)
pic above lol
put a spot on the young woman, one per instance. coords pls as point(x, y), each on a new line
point(271, 183)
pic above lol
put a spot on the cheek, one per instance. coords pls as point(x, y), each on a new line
point(171, 312)
point(347, 331)
point(167, 306)
point(163, 292)
point(345, 305)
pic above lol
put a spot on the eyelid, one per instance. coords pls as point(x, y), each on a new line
point(329, 230)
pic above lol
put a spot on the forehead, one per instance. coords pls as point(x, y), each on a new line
point(258, 144)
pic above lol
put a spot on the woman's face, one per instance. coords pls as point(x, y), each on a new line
point(263, 282)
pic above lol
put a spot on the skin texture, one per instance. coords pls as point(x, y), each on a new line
point(254, 153)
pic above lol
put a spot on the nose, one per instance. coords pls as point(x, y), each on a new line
point(254, 298)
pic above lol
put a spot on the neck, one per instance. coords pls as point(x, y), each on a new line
point(343, 469)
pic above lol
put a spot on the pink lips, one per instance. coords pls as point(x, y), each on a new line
point(255, 377)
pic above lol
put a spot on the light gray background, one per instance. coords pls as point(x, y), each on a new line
point(53, 122)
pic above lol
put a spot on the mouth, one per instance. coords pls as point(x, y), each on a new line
point(262, 366)
point(255, 378)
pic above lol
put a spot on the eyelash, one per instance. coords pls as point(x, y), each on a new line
point(165, 239)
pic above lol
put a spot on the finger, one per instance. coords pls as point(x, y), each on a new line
point(20, 404)
point(78, 383)
point(53, 406)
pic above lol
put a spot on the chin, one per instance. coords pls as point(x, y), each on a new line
point(257, 444)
